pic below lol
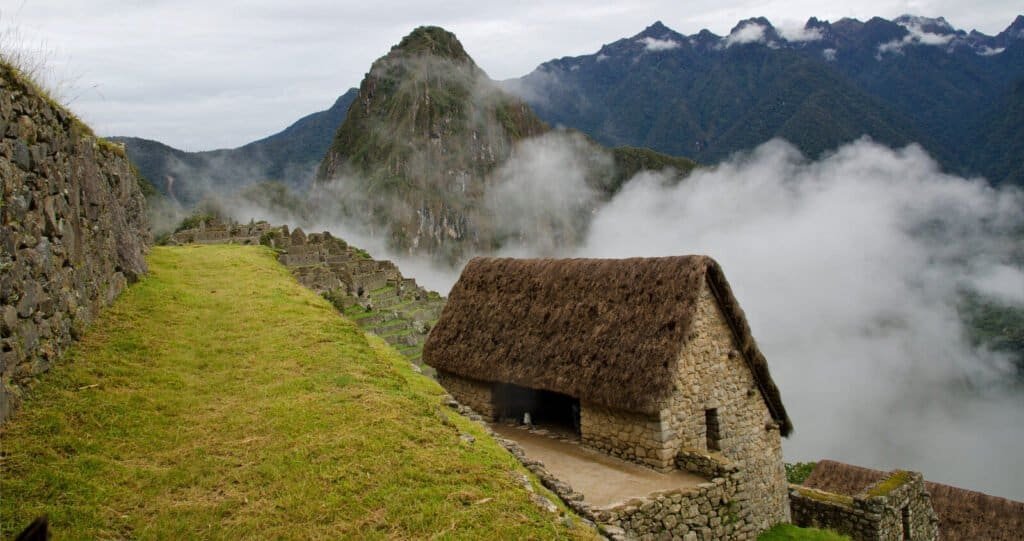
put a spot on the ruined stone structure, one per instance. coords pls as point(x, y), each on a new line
point(894, 508)
point(656, 357)
point(872, 505)
point(372, 293)
point(73, 231)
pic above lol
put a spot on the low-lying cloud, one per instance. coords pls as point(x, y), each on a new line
point(850, 270)
point(800, 33)
point(916, 35)
point(748, 33)
point(655, 44)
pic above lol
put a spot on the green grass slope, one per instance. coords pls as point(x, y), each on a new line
point(219, 399)
point(788, 532)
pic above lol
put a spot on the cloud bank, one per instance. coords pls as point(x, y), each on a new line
point(748, 33)
point(916, 35)
point(849, 269)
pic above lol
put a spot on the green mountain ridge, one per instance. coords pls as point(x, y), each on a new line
point(709, 96)
point(289, 156)
point(418, 153)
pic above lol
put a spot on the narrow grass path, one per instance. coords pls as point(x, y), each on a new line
point(788, 532)
point(219, 399)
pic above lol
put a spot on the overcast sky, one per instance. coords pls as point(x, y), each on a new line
point(209, 74)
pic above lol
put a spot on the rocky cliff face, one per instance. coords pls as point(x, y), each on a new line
point(73, 231)
point(440, 160)
point(426, 129)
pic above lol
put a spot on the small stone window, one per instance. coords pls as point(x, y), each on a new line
point(906, 522)
point(713, 433)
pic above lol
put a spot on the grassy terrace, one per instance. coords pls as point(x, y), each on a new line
point(788, 532)
point(219, 399)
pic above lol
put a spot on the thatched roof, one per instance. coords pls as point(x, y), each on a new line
point(963, 514)
point(608, 331)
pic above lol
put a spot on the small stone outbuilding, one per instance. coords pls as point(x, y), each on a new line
point(872, 505)
point(646, 359)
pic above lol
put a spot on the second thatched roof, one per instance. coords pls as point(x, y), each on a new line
point(607, 331)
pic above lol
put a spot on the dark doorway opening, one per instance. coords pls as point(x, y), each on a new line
point(906, 522)
point(546, 408)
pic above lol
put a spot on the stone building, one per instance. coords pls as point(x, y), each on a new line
point(646, 359)
point(871, 505)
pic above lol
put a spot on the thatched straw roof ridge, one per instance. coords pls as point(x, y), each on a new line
point(607, 331)
point(963, 514)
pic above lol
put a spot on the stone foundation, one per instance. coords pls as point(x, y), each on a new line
point(477, 395)
point(895, 508)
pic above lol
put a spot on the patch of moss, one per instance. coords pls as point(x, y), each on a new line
point(822, 496)
point(887, 485)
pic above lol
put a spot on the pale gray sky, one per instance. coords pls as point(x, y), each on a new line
point(211, 74)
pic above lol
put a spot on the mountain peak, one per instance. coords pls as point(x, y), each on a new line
point(760, 21)
point(658, 26)
point(431, 41)
point(1017, 25)
point(936, 25)
point(657, 31)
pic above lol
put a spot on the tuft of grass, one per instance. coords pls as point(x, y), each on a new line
point(887, 485)
point(789, 532)
point(219, 399)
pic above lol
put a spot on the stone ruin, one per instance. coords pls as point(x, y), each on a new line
point(895, 508)
point(372, 293)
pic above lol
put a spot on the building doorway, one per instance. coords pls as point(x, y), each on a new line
point(555, 411)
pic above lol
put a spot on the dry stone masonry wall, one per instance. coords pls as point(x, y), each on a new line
point(895, 508)
point(713, 376)
point(73, 232)
point(373, 293)
point(630, 436)
point(709, 511)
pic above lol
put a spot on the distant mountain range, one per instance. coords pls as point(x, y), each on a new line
point(912, 79)
point(290, 156)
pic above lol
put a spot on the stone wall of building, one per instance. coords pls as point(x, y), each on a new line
point(893, 509)
point(710, 511)
point(630, 436)
point(477, 395)
point(73, 232)
point(713, 375)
